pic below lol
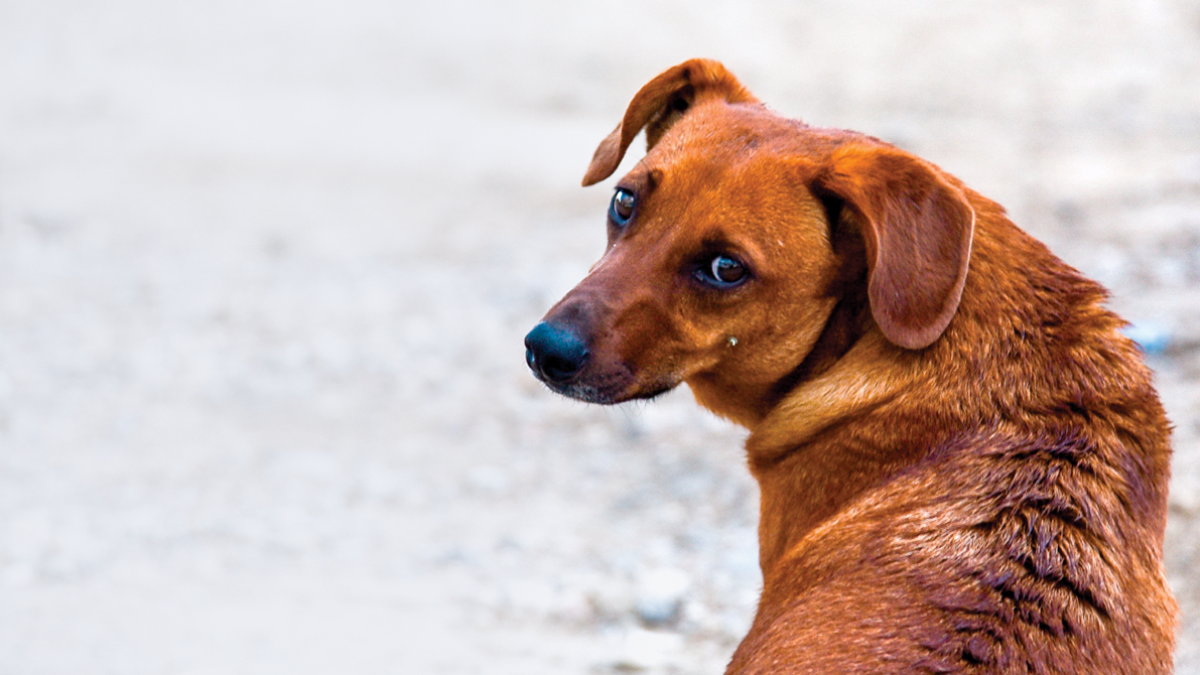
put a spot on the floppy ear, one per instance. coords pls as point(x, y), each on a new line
point(917, 227)
point(659, 104)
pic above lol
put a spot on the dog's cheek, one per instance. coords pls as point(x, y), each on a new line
point(778, 337)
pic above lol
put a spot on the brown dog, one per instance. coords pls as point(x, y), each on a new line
point(963, 463)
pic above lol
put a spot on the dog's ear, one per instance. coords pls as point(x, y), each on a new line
point(659, 104)
point(917, 227)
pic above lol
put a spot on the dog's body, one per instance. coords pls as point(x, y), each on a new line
point(963, 464)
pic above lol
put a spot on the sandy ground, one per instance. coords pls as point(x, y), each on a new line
point(265, 268)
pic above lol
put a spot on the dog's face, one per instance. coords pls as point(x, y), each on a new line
point(729, 247)
point(707, 275)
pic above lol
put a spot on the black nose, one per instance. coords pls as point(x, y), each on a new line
point(555, 354)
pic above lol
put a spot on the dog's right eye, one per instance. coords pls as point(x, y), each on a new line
point(723, 272)
point(621, 209)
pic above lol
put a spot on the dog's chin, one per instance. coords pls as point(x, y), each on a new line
point(612, 389)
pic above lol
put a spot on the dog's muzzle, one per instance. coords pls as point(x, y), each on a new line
point(555, 354)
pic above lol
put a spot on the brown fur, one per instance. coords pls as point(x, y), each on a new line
point(963, 463)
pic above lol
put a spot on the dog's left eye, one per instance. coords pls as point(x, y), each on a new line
point(723, 271)
point(621, 209)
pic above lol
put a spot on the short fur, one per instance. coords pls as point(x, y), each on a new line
point(963, 463)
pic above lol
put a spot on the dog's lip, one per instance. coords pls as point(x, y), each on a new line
point(581, 390)
point(605, 386)
point(618, 387)
point(583, 393)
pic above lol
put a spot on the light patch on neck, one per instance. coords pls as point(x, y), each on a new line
point(867, 375)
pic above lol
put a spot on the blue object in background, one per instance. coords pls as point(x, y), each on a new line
point(1153, 338)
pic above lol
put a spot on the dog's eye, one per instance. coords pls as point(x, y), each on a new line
point(621, 209)
point(724, 272)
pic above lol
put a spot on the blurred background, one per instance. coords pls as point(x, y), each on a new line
point(265, 268)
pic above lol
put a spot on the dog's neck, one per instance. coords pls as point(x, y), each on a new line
point(863, 378)
point(805, 478)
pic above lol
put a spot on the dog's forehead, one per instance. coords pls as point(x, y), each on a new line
point(726, 177)
point(718, 126)
point(716, 137)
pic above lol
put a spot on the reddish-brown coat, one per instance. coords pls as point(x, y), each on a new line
point(963, 464)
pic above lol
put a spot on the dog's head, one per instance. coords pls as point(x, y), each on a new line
point(747, 250)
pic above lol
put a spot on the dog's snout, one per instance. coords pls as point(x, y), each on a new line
point(554, 353)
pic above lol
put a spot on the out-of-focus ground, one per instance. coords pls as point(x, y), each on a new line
point(265, 268)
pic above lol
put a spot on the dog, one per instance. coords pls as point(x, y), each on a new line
point(963, 463)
